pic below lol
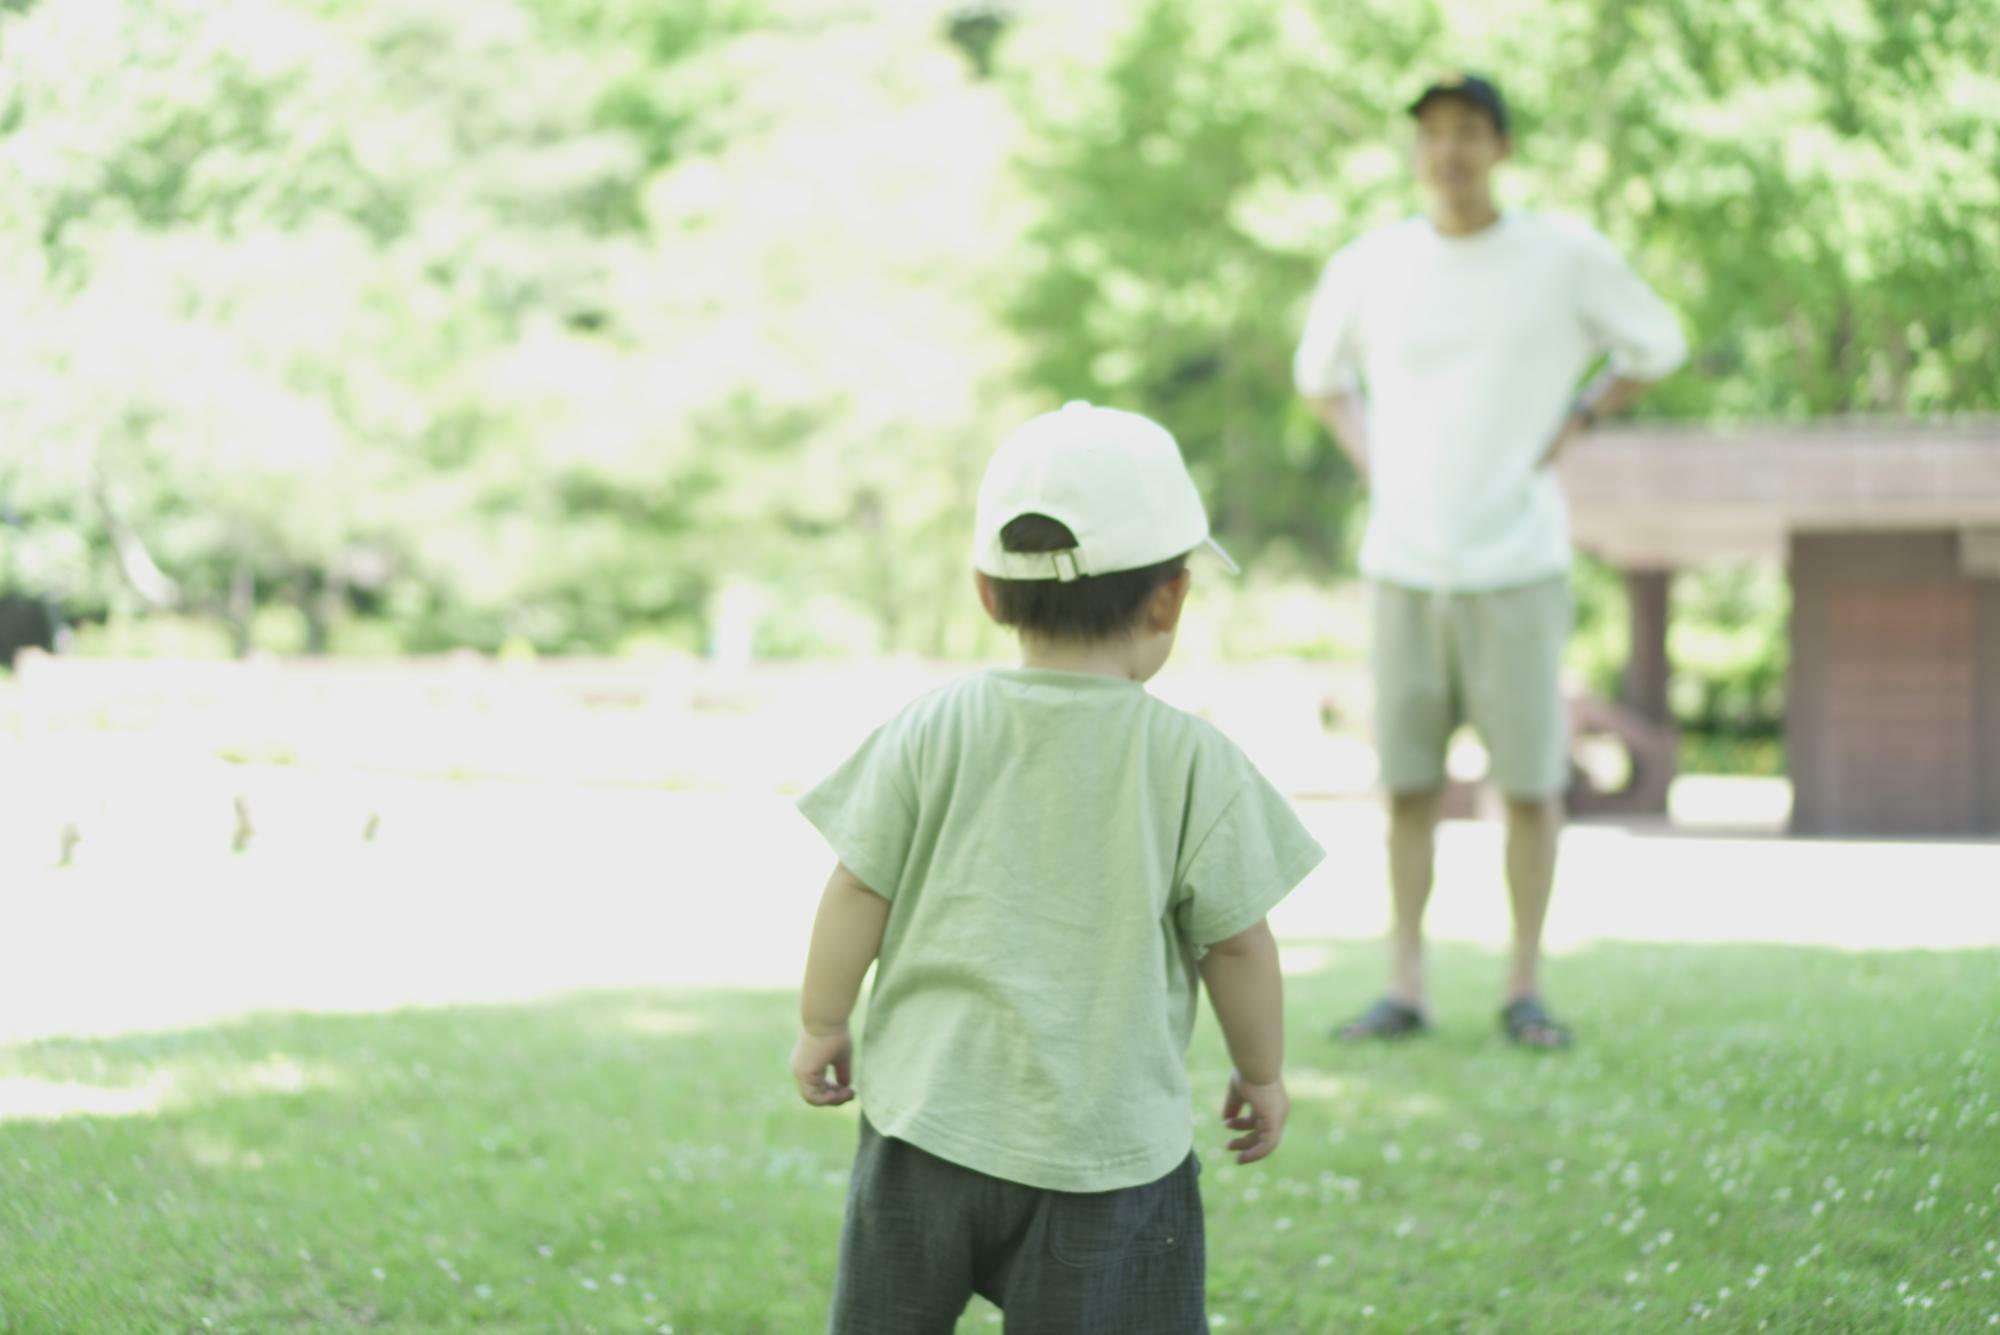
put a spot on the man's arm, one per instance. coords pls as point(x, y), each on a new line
point(1606, 396)
point(1345, 417)
point(1628, 320)
point(1248, 993)
point(846, 937)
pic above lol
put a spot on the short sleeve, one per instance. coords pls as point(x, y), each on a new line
point(1252, 856)
point(1328, 359)
point(1625, 317)
point(867, 808)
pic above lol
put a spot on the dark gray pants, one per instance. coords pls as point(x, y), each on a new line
point(923, 1235)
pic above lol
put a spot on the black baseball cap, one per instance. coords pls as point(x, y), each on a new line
point(1466, 88)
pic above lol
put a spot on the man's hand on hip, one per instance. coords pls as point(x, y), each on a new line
point(1573, 428)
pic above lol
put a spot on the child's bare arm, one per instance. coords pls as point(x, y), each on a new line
point(1248, 993)
point(847, 935)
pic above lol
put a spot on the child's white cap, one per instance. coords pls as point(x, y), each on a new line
point(1115, 479)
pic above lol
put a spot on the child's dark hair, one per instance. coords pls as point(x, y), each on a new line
point(1092, 607)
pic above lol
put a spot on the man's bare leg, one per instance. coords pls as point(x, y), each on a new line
point(1404, 1008)
point(1413, 821)
point(1534, 830)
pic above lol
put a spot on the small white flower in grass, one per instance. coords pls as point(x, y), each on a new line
point(1507, 1291)
point(1406, 1227)
point(1722, 1293)
point(590, 1285)
point(1323, 1262)
point(1903, 1287)
point(1631, 1277)
point(1284, 1225)
point(1673, 1266)
point(545, 1250)
point(619, 1280)
point(1217, 1321)
point(1714, 1219)
point(483, 1291)
point(651, 1298)
point(1368, 1311)
point(1392, 1153)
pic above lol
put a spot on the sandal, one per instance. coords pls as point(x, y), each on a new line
point(1387, 1018)
point(1528, 1023)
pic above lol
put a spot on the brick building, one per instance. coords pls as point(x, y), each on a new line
point(1891, 535)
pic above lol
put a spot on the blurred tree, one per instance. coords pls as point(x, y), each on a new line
point(548, 321)
point(283, 252)
point(1815, 188)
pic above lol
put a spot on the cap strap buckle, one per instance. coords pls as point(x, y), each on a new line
point(1067, 570)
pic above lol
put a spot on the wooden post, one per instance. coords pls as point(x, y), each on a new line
point(1650, 594)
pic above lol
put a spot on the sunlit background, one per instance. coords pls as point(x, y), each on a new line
point(466, 466)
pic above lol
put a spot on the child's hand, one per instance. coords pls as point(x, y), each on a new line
point(811, 1056)
point(1261, 1111)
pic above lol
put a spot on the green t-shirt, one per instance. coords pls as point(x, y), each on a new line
point(1057, 849)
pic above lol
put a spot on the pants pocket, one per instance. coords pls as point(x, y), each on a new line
point(1109, 1227)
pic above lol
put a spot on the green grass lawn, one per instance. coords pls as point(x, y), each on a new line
point(1803, 1138)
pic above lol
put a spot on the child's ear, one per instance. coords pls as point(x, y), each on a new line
point(1163, 608)
point(987, 598)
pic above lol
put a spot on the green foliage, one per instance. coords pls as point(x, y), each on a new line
point(1729, 650)
point(321, 293)
point(526, 320)
point(1816, 189)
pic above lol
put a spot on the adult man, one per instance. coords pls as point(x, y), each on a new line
point(1444, 353)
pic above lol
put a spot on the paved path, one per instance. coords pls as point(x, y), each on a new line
point(486, 892)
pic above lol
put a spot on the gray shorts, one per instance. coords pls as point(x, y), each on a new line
point(1492, 658)
point(923, 1235)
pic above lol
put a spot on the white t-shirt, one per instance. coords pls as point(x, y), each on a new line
point(1469, 351)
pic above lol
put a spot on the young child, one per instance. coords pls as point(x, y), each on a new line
point(1040, 862)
